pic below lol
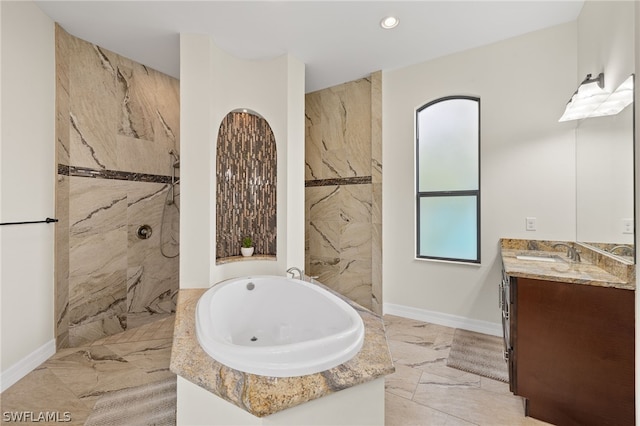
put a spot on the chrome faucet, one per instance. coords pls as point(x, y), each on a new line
point(293, 270)
point(624, 248)
point(572, 253)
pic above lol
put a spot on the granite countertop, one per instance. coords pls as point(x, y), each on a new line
point(262, 395)
point(595, 268)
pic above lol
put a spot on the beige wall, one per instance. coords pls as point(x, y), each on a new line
point(344, 191)
point(606, 44)
point(527, 166)
point(213, 83)
point(27, 180)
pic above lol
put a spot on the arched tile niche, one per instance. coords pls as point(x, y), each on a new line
point(246, 166)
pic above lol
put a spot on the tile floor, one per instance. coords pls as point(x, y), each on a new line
point(73, 379)
point(422, 391)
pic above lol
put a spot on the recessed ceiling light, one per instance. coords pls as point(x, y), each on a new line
point(389, 22)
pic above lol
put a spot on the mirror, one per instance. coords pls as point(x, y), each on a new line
point(605, 183)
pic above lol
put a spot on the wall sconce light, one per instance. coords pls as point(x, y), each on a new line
point(591, 100)
point(617, 101)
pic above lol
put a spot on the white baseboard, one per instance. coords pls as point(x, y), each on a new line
point(26, 365)
point(448, 320)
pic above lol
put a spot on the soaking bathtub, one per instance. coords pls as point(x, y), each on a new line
point(277, 326)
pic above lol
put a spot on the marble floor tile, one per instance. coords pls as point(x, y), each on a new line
point(400, 411)
point(94, 371)
point(422, 391)
point(418, 356)
point(403, 382)
point(74, 378)
point(469, 401)
point(149, 356)
point(41, 391)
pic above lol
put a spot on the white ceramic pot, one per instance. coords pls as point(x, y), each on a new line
point(246, 251)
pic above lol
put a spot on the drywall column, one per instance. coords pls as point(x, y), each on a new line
point(27, 177)
point(197, 166)
point(295, 163)
point(214, 83)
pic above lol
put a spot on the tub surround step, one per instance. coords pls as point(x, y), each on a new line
point(239, 258)
point(261, 395)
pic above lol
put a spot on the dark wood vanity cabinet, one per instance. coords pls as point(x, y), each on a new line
point(571, 351)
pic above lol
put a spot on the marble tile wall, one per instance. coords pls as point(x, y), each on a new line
point(116, 122)
point(343, 238)
point(246, 170)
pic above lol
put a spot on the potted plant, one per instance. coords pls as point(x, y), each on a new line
point(247, 247)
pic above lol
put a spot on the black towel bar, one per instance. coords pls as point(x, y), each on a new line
point(47, 220)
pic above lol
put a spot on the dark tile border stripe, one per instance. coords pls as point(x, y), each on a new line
point(356, 180)
point(111, 174)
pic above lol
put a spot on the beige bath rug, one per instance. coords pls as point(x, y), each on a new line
point(478, 353)
point(151, 404)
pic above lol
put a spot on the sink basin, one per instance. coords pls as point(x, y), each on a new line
point(539, 258)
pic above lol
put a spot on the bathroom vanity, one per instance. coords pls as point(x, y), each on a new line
point(569, 333)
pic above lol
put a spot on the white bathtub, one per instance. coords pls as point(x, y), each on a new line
point(277, 326)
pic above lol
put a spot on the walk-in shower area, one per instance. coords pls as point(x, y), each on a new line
point(117, 193)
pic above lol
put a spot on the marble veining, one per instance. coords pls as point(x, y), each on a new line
point(261, 395)
point(343, 188)
point(116, 122)
point(420, 392)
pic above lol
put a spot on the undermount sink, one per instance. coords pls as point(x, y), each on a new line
point(540, 258)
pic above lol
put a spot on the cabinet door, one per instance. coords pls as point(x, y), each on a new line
point(574, 347)
point(509, 316)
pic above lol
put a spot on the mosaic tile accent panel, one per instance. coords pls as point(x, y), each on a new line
point(357, 180)
point(111, 174)
point(116, 121)
point(343, 189)
point(246, 171)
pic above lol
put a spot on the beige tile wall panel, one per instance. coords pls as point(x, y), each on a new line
point(151, 277)
point(376, 188)
point(94, 106)
point(313, 136)
point(376, 127)
point(376, 267)
point(61, 293)
point(343, 216)
point(120, 119)
point(62, 96)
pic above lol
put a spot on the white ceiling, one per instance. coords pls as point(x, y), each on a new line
point(338, 41)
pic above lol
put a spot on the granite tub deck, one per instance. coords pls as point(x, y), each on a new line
point(261, 395)
point(595, 268)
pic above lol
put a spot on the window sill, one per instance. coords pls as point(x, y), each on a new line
point(455, 262)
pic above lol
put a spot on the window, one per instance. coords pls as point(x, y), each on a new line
point(448, 179)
